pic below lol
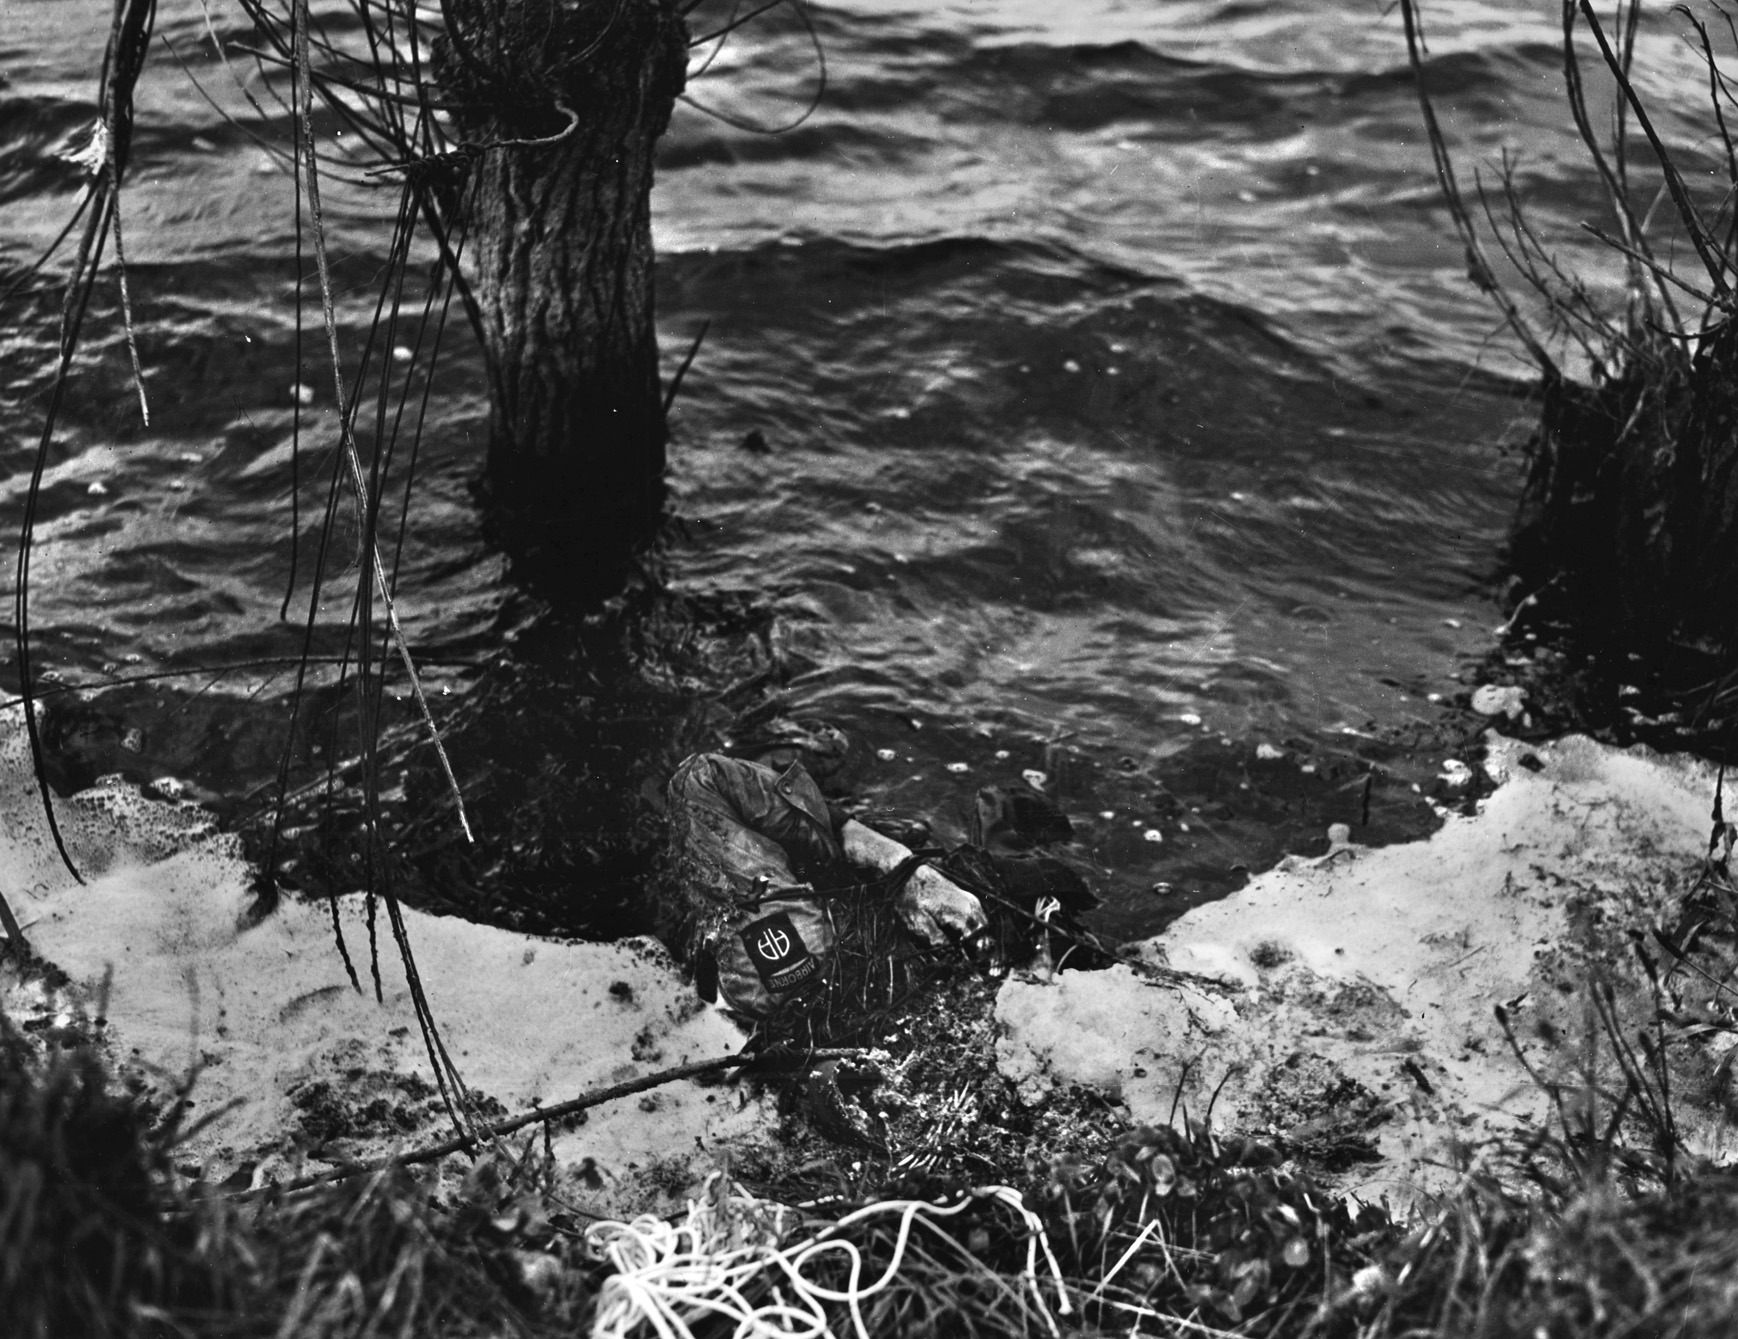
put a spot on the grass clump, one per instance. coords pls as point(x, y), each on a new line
point(101, 1237)
point(86, 1247)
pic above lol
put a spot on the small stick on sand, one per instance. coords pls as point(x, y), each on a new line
point(596, 1097)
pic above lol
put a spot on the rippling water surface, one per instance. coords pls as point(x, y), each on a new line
point(1125, 401)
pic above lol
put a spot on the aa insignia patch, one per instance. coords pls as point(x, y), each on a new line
point(778, 952)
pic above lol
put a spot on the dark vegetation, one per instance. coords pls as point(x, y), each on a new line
point(1625, 551)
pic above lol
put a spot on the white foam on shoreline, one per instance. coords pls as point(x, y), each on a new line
point(1385, 966)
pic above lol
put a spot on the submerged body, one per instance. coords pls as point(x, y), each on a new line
point(756, 853)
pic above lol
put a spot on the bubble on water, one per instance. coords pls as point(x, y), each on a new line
point(957, 767)
point(886, 755)
point(1002, 755)
point(302, 393)
point(1153, 835)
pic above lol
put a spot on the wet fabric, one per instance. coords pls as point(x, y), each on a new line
point(747, 843)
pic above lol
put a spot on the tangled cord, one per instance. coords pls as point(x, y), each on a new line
point(669, 1274)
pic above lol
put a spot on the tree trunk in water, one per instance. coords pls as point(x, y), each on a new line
point(560, 249)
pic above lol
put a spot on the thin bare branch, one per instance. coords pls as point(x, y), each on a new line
point(1692, 220)
point(540, 1116)
point(1478, 267)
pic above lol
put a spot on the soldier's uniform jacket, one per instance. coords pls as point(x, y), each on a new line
point(741, 905)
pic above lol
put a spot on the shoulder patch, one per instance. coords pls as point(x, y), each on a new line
point(778, 952)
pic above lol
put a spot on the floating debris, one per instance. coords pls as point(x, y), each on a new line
point(1339, 843)
point(886, 755)
point(1036, 779)
point(1494, 701)
point(1154, 835)
point(302, 393)
point(1002, 755)
point(957, 767)
point(1268, 753)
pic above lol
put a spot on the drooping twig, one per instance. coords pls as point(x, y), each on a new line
point(448, 1079)
point(1692, 220)
point(1615, 178)
point(123, 60)
point(1478, 267)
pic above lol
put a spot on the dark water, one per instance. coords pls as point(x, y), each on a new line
point(1127, 407)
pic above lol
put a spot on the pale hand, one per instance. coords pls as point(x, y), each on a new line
point(932, 906)
point(938, 911)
